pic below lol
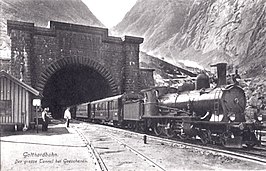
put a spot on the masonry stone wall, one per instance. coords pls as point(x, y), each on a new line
point(146, 78)
point(21, 51)
point(5, 65)
point(37, 53)
point(45, 51)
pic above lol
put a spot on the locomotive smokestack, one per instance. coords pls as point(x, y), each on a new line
point(221, 73)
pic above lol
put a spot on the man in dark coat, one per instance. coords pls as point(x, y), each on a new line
point(45, 119)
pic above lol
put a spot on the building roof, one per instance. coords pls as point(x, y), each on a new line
point(22, 84)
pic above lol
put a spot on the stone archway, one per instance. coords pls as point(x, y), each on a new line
point(71, 81)
point(47, 73)
point(38, 53)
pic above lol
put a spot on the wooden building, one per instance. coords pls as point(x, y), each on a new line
point(16, 101)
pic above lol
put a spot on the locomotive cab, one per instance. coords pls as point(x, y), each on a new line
point(151, 100)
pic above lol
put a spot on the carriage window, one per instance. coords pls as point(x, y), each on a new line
point(115, 105)
point(111, 105)
point(105, 105)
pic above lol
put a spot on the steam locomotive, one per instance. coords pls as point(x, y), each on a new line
point(214, 115)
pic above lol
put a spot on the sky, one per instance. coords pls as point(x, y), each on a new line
point(110, 12)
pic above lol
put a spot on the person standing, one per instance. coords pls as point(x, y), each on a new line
point(67, 116)
point(45, 118)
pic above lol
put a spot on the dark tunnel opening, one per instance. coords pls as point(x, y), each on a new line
point(71, 85)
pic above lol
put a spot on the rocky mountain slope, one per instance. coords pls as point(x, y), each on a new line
point(155, 20)
point(41, 12)
point(205, 31)
point(166, 73)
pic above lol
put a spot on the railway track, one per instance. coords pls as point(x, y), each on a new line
point(257, 152)
point(257, 155)
point(98, 161)
point(106, 136)
point(141, 155)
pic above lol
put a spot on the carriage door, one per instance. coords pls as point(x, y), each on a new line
point(89, 110)
point(108, 110)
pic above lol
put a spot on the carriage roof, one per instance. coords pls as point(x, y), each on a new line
point(108, 99)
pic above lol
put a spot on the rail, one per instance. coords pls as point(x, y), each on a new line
point(214, 150)
point(158, 167)
point(100, 165)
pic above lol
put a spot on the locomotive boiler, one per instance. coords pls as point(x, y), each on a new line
point(209, 104)
point(215, 115)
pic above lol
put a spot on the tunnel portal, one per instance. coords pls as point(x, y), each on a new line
point(70, 63)
point(71, 85)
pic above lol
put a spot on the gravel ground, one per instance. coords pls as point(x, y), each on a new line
point(170, 158)
point(115, 155)
point(57, 149)
point(63, 149)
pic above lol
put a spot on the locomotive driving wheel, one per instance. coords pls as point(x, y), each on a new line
point(183, 136)
point(204, 137)
point(158, 128)
point(131, 126)
point(141, 127)
point(223, 138)
point(169, 130)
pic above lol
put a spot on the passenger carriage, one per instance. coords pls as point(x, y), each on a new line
point(125, 110)
point(108, 109)
point(83, 111)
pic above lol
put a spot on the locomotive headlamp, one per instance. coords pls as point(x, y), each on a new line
point(259, 117)
point(232, 116)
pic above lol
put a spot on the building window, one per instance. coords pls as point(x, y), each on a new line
point(5, 107)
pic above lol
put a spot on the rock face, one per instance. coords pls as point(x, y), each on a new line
point(166, 74)
point(40, 13)
point(205, 31)
point(155, 20)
